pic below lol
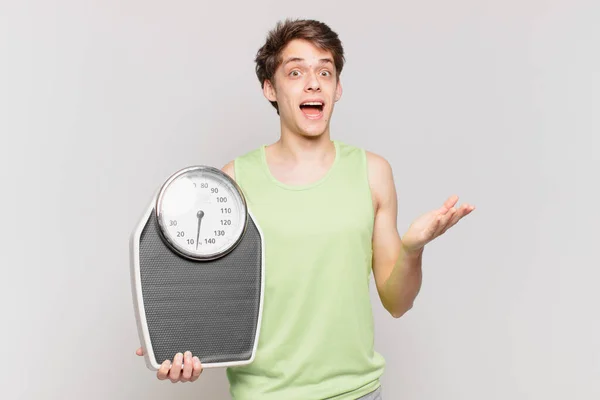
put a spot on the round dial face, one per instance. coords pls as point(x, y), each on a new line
point(201, 212)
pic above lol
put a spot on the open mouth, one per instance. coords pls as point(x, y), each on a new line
point(312, 109)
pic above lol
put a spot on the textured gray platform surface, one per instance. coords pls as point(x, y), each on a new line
point(210, 308)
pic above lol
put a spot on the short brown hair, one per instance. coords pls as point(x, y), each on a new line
point(268, 57)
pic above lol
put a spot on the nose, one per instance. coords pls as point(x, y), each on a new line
point(313, 83)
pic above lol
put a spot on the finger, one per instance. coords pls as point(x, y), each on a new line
point(444, 221)
point(188, 366)
point(451, 223)
point(446, 218)
point(437, 224)
point(163, 371)
point(464, 210)
point(197, 369)
point(467, 209)
point(139, 352)
point(450, 202)
point(176, 368)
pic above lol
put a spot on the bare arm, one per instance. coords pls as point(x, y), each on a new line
point(229, 170)
point(396, 270)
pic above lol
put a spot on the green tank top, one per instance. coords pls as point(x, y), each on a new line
point(316, 339)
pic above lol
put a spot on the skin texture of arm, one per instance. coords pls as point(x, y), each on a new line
point(228, 169)
point(397, 260)
point(396, 270)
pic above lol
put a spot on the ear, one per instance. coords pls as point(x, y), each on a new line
point(338, 90)
point(269, 91)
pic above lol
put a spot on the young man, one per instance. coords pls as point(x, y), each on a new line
point(328, 213)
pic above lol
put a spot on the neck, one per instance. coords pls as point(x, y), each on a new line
point(300, 149)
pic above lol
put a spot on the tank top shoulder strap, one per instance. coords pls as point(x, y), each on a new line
point(352, 161)
point(247, 165)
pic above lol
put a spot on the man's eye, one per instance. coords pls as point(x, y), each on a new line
point(294, 73)
point(325, 73)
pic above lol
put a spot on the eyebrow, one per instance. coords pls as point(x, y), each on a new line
point(294, 59)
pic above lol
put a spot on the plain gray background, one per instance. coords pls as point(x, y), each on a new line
point(497, 102)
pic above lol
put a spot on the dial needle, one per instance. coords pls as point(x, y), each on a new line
point(200, 215)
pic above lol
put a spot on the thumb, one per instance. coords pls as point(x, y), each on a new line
point(139, 352)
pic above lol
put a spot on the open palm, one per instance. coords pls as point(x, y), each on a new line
point(434, 223)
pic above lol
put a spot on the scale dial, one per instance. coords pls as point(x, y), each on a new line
point(201, 212)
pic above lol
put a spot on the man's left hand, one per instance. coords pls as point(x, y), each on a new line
point(433, 224)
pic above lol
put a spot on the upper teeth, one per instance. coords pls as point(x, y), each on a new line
point(313, 103)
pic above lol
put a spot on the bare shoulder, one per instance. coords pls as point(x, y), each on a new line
point(381, 179)
point(377, 164)
point(229, 169)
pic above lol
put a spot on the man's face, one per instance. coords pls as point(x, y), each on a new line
point(305, 88)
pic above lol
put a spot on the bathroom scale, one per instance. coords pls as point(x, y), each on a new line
point(197, 271)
